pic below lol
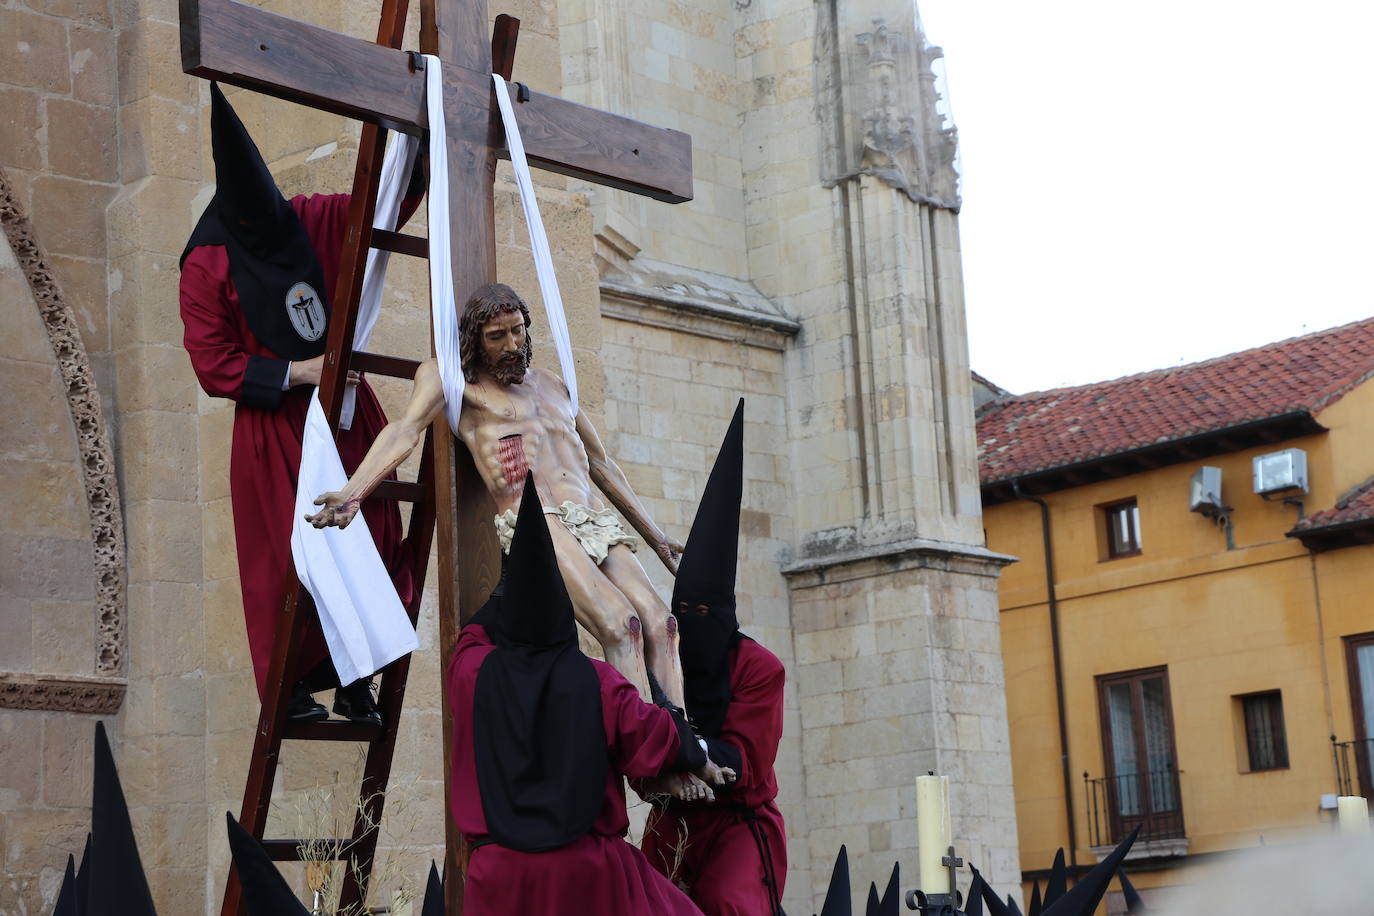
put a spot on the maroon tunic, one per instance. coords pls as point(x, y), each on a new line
point(600, 873)
point(266, 453)
point(723, 864)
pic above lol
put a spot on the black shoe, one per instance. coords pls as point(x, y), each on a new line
point(355, 703)
point(303, 708)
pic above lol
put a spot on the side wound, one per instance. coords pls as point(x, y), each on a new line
point(510, 450)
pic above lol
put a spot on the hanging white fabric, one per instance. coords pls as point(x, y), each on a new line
point(364, 623)
point(443, 308)
point(396, 168)
point(539, 241)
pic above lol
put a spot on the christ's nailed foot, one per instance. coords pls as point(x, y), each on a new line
point(337, 510)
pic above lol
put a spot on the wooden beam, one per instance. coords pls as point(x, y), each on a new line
point(245, 46)
point(242, 45)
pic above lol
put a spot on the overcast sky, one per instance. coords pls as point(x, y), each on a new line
point(1152, 184)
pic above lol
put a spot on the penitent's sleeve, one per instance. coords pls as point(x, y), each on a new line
point(644, 740)
point(753, 725)
point(224, 368)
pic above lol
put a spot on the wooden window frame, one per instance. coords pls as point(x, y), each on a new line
point(1279, 728)
point(1352, 669)
point(1121, 825)
point(1105, 519)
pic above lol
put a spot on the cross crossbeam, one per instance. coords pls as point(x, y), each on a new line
point(242, 45)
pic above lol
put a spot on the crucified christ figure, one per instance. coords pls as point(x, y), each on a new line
point(516, 418)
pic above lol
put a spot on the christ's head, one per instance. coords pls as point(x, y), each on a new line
point(493, 335)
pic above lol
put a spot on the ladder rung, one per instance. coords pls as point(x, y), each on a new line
point(377, 364)
point(332, 730)
point(290, 850)
point(400, 243)
point(400, 490)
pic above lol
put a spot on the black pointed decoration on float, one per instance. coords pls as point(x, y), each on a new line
point(265, 891)
point(116, 885)
point(434, 894)
point(837, 900)
point(66, 895)
point(1134, 905)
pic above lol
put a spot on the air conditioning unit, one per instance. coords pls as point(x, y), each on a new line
point(1204, 491)
point(1278, 472)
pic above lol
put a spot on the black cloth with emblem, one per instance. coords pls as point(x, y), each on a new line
point(276, 273)
point(706, 579)
point(538, 738)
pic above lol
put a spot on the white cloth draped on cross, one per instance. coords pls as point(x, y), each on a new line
point(365, 626)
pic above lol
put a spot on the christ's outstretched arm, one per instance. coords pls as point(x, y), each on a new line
point(611, 480)
point(392, 446)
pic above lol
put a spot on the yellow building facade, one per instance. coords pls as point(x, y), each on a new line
point(1211, 683)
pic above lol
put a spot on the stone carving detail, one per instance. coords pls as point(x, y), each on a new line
point(98, 472)
point(62, 694)
point(877, 98)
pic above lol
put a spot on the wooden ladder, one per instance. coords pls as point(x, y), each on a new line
point(357, 850)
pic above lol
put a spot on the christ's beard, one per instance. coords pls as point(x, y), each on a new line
point(509, 370)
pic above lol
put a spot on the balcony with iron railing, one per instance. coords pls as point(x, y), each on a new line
point(1152, 801)
point(1352, 765)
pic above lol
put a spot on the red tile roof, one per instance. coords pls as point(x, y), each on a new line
point(1028, 433)
point(1356, 505)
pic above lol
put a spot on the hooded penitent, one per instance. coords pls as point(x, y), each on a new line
point(116, 885)
point(265, 891)
point(538, 738)
point(837, 901)
point(704, 590)
point(276, 273)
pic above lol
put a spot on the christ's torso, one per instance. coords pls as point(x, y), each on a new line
point(510, 427)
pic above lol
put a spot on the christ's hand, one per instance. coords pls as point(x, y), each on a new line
point(337, 511)
point(670, 552)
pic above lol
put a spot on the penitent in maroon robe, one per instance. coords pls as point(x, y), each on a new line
point(599, 873)
point(737, 843)
point(266, 454)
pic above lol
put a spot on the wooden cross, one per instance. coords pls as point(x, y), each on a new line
point(378, 84)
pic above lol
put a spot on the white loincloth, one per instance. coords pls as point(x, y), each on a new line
point(597, 530)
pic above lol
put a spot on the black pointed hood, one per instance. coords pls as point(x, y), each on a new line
point(1134, 905)
point(1036, 904)
point(276, 272)
point(538, 739)
point(1013, 908)
point(265, 891)
point(434, 894)
point(1082, 899)
point(871, 909)
point(704, 590)
point(536, 610)
point(837, 899)
point(117, 885)
point(66, 895)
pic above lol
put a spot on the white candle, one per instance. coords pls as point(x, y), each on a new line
point(1352, 811)
point(933, 833)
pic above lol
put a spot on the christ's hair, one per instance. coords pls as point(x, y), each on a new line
point(490, 300)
